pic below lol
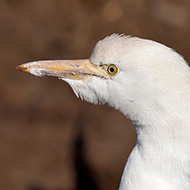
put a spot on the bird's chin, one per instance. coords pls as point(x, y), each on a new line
point(81, 89)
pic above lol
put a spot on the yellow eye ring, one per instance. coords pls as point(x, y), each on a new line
point(112, 69)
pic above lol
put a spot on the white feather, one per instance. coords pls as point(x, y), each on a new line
point(153, 90)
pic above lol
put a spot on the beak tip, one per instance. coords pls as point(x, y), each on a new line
point(18, 68)
point(21, 68)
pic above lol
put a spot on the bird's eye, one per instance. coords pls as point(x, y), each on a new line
point(112, 69)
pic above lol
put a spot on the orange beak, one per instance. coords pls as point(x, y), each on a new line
point(81, 69)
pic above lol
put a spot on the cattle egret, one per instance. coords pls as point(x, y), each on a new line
point(149, 83)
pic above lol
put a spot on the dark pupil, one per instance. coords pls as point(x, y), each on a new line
point(112, 69)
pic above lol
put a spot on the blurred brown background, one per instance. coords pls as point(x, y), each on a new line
point(49, 139)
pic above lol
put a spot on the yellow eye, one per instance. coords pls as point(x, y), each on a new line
point(112, 69)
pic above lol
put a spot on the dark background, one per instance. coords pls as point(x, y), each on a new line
point(49, 139)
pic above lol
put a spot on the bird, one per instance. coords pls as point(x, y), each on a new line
point(150, 84)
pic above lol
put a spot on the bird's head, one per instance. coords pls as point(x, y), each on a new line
point(128, 73)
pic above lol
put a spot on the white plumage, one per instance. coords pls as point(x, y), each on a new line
point(152, 88)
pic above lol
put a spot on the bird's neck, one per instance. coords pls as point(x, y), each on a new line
point(161, 157)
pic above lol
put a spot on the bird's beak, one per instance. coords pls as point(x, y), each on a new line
point(81, 69)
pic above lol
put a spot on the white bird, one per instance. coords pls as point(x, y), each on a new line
point(149, 83)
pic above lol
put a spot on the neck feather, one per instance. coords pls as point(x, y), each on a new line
point(161, 157)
